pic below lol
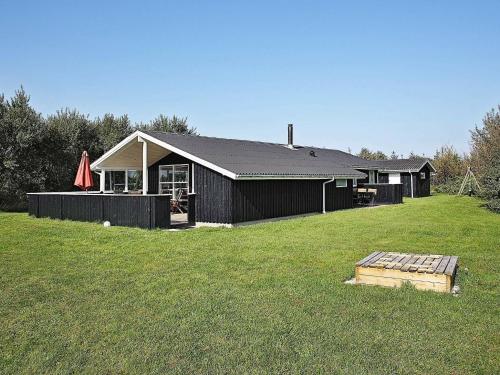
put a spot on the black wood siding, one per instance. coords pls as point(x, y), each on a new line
point(214, 198)
point(383, 178)
point(338, 198)
point(264, 199)
point(76, 207)
point(424, 185)
point(406, 181)
point(421, 187)
point(133, 211)
point(387, 193)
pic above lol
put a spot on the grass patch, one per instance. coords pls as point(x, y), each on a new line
point(269, 298)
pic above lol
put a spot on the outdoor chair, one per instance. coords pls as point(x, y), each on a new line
point(179, 201)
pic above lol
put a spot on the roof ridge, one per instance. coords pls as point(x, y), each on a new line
point(248, 140)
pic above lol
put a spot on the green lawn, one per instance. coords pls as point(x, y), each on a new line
point(270, 298)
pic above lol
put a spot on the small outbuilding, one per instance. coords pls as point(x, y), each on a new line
point(413, 174)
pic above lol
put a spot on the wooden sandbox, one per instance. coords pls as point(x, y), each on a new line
point(427, 272)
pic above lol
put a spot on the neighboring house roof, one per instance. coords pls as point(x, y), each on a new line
point(261, 159)
point(404, 165)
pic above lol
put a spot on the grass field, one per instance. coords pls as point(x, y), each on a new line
point(269, 298)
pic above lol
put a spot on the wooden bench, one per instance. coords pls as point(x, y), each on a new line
point(426, 272)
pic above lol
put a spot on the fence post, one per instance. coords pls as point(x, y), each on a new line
point(192, 208)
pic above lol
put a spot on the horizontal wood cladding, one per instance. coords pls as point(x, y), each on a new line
point(133, 211)
point(338, 198)
point(214, 198)
point(387, 193)
point(264, 199)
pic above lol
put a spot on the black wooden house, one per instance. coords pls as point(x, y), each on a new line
point(222, 181)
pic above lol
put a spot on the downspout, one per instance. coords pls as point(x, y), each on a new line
point(324, 193)
point(411, 180)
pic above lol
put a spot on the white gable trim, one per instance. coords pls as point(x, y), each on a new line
point(112, 151)
point(430, 165)
point(147, 137)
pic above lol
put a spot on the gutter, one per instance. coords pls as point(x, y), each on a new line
point(324, 193)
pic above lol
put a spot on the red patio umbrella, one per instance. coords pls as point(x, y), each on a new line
point(84, 176)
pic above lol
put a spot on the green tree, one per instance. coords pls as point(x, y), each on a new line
point(111, 130)
point(393, 156)
point(485, 157)
point(365, 153)
point(23, 166)
point(70, 133)
point(449, 165)
point(174, 124)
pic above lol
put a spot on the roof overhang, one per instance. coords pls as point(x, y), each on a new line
point(100, 163)
point(128, 154)
point(412, 170)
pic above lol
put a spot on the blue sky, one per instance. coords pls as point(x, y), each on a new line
point(404, 76)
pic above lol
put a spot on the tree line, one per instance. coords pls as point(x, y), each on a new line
point(483, 159)
point(367, 154)
point(40, 153)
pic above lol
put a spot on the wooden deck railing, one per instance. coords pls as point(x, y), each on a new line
point(386, 193)
point(143, 211)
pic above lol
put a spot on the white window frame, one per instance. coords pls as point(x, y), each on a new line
point(344, 183)
point(127, 177)
point(126, 171)
point(394, 178)
point(422, 174)
point(186, 184)
point(125, 188)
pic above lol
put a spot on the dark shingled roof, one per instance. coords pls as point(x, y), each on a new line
point(405, 165)
point(252, 159)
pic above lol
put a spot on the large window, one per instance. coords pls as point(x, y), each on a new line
point(134, 180)
point(174, 180)
point(115, 181)
point(122, 181)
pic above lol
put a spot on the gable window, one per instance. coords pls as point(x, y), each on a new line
point(174, 180)
point(422, 175)
point(341, 183)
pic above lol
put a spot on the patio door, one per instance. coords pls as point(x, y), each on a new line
point(174, 180)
